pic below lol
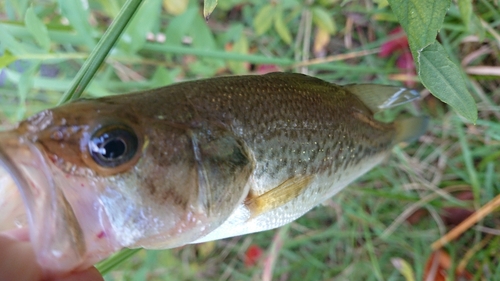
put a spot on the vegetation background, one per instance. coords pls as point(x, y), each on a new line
point(381, 227)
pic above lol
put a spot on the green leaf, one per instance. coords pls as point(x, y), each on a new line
point(163, 77)
point(203, 38)
point(11, 44)
point(24, 86)
point(445, 81)
point(421, 19)
point(220, 54)
point(175, 7)
point(477, 27)
point(404, 268)
point(240, 47)
point(282, 28)
point(323, 20)
point(208, 8)
point(465, 7)
point(45, 84)
point(6, 59)
point(202, 35)
point(146, 17)
point(78, 16)
point(233, 33)
point(20, 6)
point(96, 58)
point(381, 3)
point(264, 19)
point(37, 29)
point(179, 26)
point(110, 7)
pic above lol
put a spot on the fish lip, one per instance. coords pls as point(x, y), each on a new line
point(22, 185)
point(54, 241)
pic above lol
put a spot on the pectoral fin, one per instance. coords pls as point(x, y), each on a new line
point(380, 97)
point(278, 196)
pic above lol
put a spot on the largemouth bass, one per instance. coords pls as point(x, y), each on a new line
point(192, 162)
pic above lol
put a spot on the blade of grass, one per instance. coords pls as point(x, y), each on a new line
point(256, 59)
point(371, 253)
point(404, 268)
point(107, 265)
point(92, 64)
point(469, 163)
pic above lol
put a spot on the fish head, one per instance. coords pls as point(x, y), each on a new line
point(96, 176)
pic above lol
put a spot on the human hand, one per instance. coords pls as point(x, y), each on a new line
point(18, 261)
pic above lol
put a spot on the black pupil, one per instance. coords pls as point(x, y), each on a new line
point(111, 147)
point(114, 149)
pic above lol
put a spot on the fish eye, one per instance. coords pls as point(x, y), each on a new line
point(112, 146)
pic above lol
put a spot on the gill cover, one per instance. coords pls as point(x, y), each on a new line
point(224, 166)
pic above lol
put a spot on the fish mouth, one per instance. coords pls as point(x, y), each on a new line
point(32, 196)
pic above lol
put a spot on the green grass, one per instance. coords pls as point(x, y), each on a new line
point(354, 235)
